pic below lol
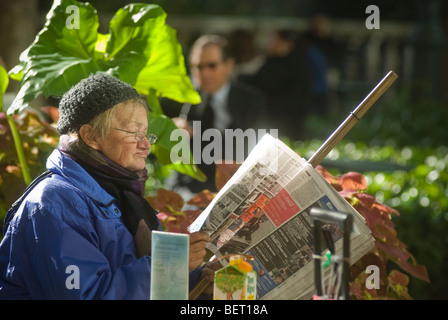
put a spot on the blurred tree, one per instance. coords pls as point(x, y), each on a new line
point(398, 9)
point(428, 42)
point(19, 21)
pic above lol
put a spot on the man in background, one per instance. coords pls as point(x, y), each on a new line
point(226, 103)
point(285, 78)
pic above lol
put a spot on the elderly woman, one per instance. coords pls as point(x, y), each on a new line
point(88, 214)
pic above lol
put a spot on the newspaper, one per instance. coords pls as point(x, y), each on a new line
point(264, 211)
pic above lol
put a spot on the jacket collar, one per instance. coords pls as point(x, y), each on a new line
point(63, 165)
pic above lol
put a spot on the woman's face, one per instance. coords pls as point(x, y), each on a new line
point(122, 147)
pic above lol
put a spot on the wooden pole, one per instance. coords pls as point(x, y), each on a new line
point(199, 288)
point(329, 144)
point(352, 119)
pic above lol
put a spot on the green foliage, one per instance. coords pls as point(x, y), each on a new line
point(38, 138)
point(414, 181)
point(389, 251)
point(410, 118)
point(401, 148)
point(4, 81)
point(140, 49)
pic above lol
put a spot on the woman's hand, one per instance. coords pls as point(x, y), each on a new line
point(208, 272)
point(198, 241)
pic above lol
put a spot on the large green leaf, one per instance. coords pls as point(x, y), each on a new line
point(164, 69)
point(140, 49)
point(4, 81)
point(59, 57)
point(163, 126)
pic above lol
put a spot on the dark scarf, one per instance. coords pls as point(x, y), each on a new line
point(126, 186)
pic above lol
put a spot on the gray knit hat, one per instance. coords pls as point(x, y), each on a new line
point(90, 97)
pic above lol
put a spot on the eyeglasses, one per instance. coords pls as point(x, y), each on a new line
point(211, 65)
point(140, 135)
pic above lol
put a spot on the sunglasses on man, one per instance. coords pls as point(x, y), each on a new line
point(210, 65)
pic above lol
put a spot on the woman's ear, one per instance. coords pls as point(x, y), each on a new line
point(86, 134)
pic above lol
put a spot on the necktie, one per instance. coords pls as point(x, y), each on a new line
point(208, 116)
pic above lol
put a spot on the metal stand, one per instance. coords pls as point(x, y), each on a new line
point(320, 217)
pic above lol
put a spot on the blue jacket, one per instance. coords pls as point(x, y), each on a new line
point(69, 226)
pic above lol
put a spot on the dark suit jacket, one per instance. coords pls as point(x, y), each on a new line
point(286, 82)
point(247, 108)
point(246, 105)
